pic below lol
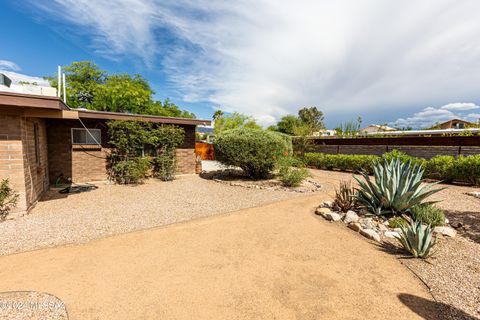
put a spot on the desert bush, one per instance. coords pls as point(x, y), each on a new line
point(165, 166)
point(8, 198)
point(468, 169)
point(291, 171)
point(442, 168)
point(396, 189)
point(131, 170)
point(428, 214)
point(345, 196)
point(397, 222)
point(417, 239)
point(343, 162)
point(254, 151)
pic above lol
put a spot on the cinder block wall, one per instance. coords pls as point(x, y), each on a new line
point(415, 151)
point(18, 161)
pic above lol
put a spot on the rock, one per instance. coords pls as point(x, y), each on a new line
point(355, 226)
point(382, 227)
point(326, 204)
point(446, 231)
point(475, 194)
point(370, 234)
point(457, 225)
point(322, 211)
point(367, 223)
point(391, 234)
point(333, 216)
point(447, 221)
point(350, 216)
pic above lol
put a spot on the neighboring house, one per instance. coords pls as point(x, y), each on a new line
point(42, 139)
point(453, 124)
point(374, 128)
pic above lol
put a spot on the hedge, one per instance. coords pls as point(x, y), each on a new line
point(447, 168)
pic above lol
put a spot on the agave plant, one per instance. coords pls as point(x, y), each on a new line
point(417, 239)
point(397, 188)
point(345, 196)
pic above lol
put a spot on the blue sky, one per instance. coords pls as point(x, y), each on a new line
point(407, 63)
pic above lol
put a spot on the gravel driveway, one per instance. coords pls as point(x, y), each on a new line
point(115, 209)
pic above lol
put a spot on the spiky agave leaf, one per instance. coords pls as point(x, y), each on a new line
point(417, 239)
point(397, 187)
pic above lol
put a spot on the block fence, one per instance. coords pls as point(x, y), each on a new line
point(424, 147)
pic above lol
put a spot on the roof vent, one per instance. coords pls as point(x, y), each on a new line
point(4, 80)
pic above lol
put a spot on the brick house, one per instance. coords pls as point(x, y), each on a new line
point(42, 139)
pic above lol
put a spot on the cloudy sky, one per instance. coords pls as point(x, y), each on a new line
point(409, 62)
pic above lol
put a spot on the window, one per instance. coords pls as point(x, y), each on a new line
point(82, 136)
point(36, 141)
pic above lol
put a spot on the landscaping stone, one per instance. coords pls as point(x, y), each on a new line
point(333, 216)
point(475, 194)
point(326, 204)
point(391, 234)
point(370, 234)
point(322, 211)
point(446, 231)
point(367, 223)
point(355, 226)
point(350, 216)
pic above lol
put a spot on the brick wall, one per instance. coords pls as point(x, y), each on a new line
point(83, 163)
point(18, 161)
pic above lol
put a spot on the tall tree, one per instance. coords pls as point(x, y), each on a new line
point(288, 124)
point(312, 117)
point(233, 121)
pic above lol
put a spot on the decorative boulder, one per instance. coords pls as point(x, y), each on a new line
point(446, 231)
point(321, 211)
point(370, 234)
point(350, 216)
point(355, 226)
point(333, 216)
point(391, 234)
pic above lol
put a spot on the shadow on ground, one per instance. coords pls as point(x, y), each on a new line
point(469, 223)
point(431, 310)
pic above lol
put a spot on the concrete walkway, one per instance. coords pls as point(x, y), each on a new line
point(273, 262)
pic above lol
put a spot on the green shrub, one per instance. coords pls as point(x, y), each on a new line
point(344, 162)
point(397, 188)
point(403, 157)
point(397, 222)
point(417, 239)
point(291, 171)
point(165, 166)
point(345, 196)
point(429, 214)
point(8, 198)
point(254, 151)
point(131, 171)
point(442, 168)
point(467, 169)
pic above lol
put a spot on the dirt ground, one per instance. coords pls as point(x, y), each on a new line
point(277, 261)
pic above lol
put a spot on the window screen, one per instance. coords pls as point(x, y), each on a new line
point(81, 136)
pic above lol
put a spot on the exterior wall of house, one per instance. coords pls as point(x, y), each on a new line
point(26, 171)
point(83, 163)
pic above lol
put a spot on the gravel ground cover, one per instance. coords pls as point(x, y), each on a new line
point(453, 273)
point(115, 209)
point(32, 305)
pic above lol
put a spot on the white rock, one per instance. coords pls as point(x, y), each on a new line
point(333, 216)
point(322, 211)
point(350, 216)
point(476, 194)
point(355, 226)
point(446, 231)
point(370, 234)
point(391, 234)
point(326, 204)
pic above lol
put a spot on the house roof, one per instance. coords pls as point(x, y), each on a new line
point(380, 127)
point(58, 109)
point(456, 120)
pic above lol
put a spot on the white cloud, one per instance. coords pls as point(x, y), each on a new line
point(430, 115)
point(8, 65)
point(267, 57)
point(460, 106)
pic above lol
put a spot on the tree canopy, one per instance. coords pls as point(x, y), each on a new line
point(233, 121)
point(309, 120)
point(95, 89)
